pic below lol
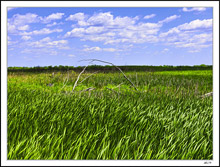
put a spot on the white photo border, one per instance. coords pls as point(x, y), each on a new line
point(213, 4)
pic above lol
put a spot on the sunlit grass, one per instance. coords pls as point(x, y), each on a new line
point(165, 119)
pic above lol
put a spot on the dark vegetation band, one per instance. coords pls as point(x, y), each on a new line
point(109, 68)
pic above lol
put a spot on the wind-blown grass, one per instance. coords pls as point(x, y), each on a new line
point(164, 120)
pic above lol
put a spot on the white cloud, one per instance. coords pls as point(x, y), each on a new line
point(109, 49)
point(12, 42)
point(76, 32)
point(53, 16)
point(79, 17)
point(76, 17)
point(101, 19)
point(38, 52)
point(83, 23)
point(94, 30)
point(116, 41)
point(124, 21)
point(8, 9)
point(81, 32)
point(149, 16)
point(202, 38)
point(194, 35)
point(168, 19)
point(92, 49)
point(20, 20)
point(23, 28)
point(54, 24)
point(41, 32)
point(98, 49)
point(193, 51)
point(174, 30)
point(196, 24)
point(109, 34)
point(11, 28)
point(25, 38)
point(26, 51)
point(48, 43)
point(193, 9)
point(46, 39)
point(28, 18)
point(104, 27)
point(193, 25)
point(95, 38)
point(165, 50)
point(56, 43)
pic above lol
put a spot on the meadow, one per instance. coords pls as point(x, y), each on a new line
point(106, 118)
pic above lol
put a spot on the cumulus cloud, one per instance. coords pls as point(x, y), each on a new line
point(95, 38)
point(149, 16)
point(53, 16)
point(23, 28)
point(11, 28)
point(194, 35)
point(56, 43)
point(39, 51)
point(76, 32)
point(25, 38)
point(102, 19)
point(79, 17)
point(193, 9)
point(174, 30)
point(47, 42)
point(92, 49)
point(76, 17)
point(20, 20)
point(111, 30)
point(92, 30)
point(54, 24)
point(168, 19)
point(202, 38)
point(109, 49)
point(41, 32)
point(8, 9)
point(28, 18)
point(206, 23)
point(80, 32)
point(11, 42)
point(98, 49)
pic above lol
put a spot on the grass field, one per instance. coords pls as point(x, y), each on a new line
point(165, 119)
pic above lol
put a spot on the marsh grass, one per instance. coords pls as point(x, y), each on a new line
point(165, 119)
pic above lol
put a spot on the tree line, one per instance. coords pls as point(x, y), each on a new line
point(108, 68)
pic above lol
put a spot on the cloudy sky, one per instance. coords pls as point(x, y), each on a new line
point(123, 36)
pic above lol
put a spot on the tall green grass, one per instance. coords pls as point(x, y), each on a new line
point(165, 119)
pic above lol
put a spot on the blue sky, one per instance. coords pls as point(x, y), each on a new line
point(123, 36)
